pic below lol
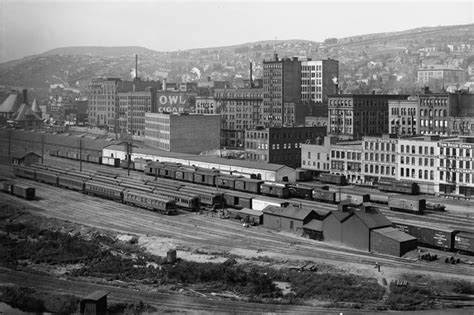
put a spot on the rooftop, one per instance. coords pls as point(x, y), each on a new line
point(96, 295)
point(288, 212)
point(373, 219)
point(395, 234)
point(316, 225)
point(340, 216)
point(251, 212)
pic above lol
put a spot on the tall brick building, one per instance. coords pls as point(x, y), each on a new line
point(317, 80)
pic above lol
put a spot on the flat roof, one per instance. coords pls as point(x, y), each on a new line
point(251, 212)
point(395, 234)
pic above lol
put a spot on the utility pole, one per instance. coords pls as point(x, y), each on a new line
point(9, 141)
point(42, 148)
point(80, 155)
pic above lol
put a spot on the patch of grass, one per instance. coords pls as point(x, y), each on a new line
point(410, 297)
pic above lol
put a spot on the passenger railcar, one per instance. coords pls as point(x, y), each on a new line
point(184, 200)
point(151, 202)
point(24, 171)
point(71, 181)
point(208, 198)
point(403, 187)
point(104, 190)
point(46, 177)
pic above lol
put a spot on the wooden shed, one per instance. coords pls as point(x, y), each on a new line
point(391, 241)
point(289, 219)
point(26, 159)
point(251, 216)
point(95, 303)
point(313, 230)
point(332, 226)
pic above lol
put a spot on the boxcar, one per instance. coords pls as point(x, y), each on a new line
point(259, 203)
point(186, 174)
point(275, 189)
point(356, 198)
point(237, 199)
point(125, 164)
point(62, 154)
point(303, 175)
point(72, 155)
point(324, 195)
point(206, 177)
point(147, 201)
point(140, 164)
point(339, 180)
point(84, 157)
point(104, 190)
point(429, 235)
point(47, 177)
point(250, 185)
point(407, 204)
point(53, 152)
point(226, 181)
point(392, 185)
point(95, 159)
point(300, 191)
point(24, 191)
point(24, 171)
point(7, 186)
point(464, 242)
point(71, 182)
point(110, 161)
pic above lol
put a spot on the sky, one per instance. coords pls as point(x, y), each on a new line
point(29, 27)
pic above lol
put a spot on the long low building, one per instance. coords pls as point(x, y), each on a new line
point(264, 171)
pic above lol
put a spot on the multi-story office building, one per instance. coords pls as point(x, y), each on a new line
point(317, 80)
point(132, 109)
point(353, 116)
point(403, 116)
point(315, 157)
point(280, 145)
point(445, 75)
point(418, 161)
point(346, 159)
point(282, 93)
point(240, 109)
point(206, 105)
point(182, 133)
point(456, 166)
point(379, 158)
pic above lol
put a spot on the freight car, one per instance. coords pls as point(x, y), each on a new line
point(110, 161)
point(355, 198)
point(324, 195)
point(237, 199)
point(403, 187)
point(303, 175)
point(339, 180)
point(464, 242)
point(23, 191)
point(301, 191)
point(275, 189)
point(260, 203)
point(410, 204)
point(140, 164)
point(429, 235)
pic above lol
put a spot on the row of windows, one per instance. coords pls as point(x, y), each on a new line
point(462, 178)
point(457, 152)
point(421, 149)
point(374, 157)
point(379, 169)
point(452, 164)
point(422, 174)
point(406, 160)
point(317, 164)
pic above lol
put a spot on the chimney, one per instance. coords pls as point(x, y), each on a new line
point(25, 96)
point(251, 74)
point(276, 57)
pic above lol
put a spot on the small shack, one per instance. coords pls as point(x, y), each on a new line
point(313, 230)
point(95, 303)
point(26, 159)
point(251, 216)
point(391, 241)
point(289, 219)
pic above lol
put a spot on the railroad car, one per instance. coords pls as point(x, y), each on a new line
point(53, 152)
point(429, 235)
point(300, 191)
point(7, 186)
point(106, 180)
point(62, 154)
point(167, 170)
point(46, 177)
point(147, 201)
point(24, 171)
point(23, 191)
point(104, 190)
point(186, 174)
point(408, 204)
point(140, 164)
point(250, 185)
point(464, 242)
point(236, 199)
point(110, 161)
point(72, 181)
point(324, 195)
point(379, 198)
point(241, 174)
point(303, 175)
point(159, 183)
point(135, 184)
point(208, 198)
point(339, 180)
point(275, 189)
point(403, 187)
point(95, 159)
point(107, 173)
point(226, 181)
point(84, 157)
point(125, 164)
point(72, 155)
point(260, 203)
point(184, 200)
point(205, 177)
point(356, 198)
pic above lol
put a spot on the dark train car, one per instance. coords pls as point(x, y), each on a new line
point(84, 157)
point(95, 159)
point(408, 204)
point(237, 199)
point(183, 200)
point(140, 164)
point(24, 171)
point(250, 185)
point(339, 180)
point(104, 190)
point(72, 182)
point(62, 154)
point(324, 195)
point(275, 189)
point(429, 235)
point(208, 198)
point(167, 170)
point(403, 187)
point(163, 183)
point(205, 177)
point(23, 191)
point(125, 164)
point(47, 177)
point(149, 201)
point(303, 175)
point(224, 181)
point(53, 152)
point(300, 191)
point(7, 186)
point(464, 242)
point(186, 174)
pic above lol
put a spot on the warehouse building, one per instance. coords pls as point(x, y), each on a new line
point(332, 226)
point(287, 219)
point(264, 171)
point(391, 241)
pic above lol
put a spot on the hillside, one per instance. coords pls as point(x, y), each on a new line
point(373, 58)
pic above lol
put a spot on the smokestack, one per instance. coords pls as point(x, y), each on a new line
point(251, 75)
point(25, 96)
point(136, 66)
